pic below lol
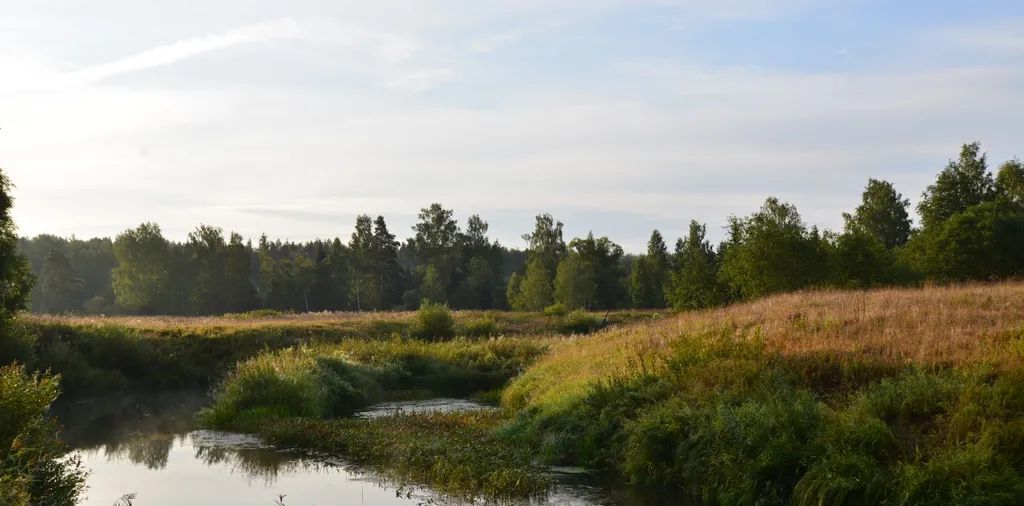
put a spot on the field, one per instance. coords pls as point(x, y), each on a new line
point(886, 396)
point(97, 355)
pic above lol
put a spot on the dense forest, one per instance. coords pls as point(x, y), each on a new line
point(971, 228)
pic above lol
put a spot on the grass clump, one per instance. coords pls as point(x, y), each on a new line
point(331, 380)
point(456, 453)
point(579, 322)
point(33, 466)
point(479, 327)
point(434, 322)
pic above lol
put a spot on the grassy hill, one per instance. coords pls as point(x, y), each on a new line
point(895, 396)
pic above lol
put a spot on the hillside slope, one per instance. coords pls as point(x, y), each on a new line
point(896, 396)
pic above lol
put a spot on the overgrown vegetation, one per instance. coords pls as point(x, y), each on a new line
point(332, 380)
point(885, 397)
point(456, 453)
point(908, 396)
point(33, 466)
point(295, 397)
point(101, 355)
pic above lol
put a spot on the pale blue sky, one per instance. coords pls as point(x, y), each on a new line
point(290, 118)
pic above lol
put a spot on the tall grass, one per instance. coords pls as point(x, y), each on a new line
point(104, 354)
point(458, 454)
point(330, 380)
point(881, 397)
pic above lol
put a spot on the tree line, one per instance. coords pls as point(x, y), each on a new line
point(971, 228)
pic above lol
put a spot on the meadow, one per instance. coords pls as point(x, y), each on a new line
point(888, 396)
point(105, 354)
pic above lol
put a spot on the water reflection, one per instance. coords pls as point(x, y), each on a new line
point(148, 446)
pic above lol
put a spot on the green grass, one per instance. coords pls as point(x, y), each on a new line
point(96, 355)
point(333, 380)
point(723, 419)
point(458, 454)
point(295, 398)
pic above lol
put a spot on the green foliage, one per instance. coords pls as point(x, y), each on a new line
point(604, 258)
point(984, 242)
point(722, 421)
point(693, 282)
point(545, 244)
point(964, 183)
point(1010, 181)
point(647, 282)
point(15, 276)
point(479, 327)
point(90, 260)
point(323, 381)
point(434, 322)
point(859, 260)
point(535, 288)
point(456, 453)
point(882, 215)
point(142, 278)
point(772, 251)
point(432, 288)
point(60, 286)
point(33, 467)
point(557, 310)
point(579, 322)
point(575, 282)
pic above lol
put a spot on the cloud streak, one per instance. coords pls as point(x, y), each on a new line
point(386, 47)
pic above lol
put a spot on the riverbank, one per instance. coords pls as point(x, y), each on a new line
point(896, 396)
point(99, 355)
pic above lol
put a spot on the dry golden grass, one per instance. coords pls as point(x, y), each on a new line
point(933, 326)
point(325, 320)
point(333, 323)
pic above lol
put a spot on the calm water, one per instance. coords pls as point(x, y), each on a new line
point(149, 447)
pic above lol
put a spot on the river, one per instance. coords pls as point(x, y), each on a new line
point(147, 451)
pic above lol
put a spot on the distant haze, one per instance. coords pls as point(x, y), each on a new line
point(290, 118)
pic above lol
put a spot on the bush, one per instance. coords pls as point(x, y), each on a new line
point(479, 327)
point(33, 467)
point(579, 322)
point(557, 309)
point(434, 322)
point(257, 314)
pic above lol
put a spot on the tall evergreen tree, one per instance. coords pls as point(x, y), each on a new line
point(647, 280)
point(208, 262)
point(60, 285)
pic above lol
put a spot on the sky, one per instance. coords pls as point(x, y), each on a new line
point(617, 117)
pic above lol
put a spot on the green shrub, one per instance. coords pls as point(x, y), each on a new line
point(258, 314)
point(479, 327)
point(33, 466)
point(434, 322)
point(579, 322)
point(557, 310)
point(290, 383)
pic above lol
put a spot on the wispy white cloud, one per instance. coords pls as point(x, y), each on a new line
point(387, 47)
